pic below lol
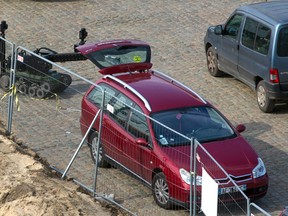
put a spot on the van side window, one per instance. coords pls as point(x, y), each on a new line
point(256, 36)
point(232, 26)
point(282, 43)
point(137, 125)
point(262, 39)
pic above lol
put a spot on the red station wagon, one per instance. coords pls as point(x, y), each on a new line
point(147, 116)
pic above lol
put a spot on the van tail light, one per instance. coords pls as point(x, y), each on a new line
point(274, 77)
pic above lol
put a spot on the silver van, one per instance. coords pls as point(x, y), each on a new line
point(252, 46)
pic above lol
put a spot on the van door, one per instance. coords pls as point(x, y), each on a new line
point(228, 51)
point(254, 57)
point(281, 58)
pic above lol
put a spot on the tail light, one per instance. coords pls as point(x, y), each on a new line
point(274, 77)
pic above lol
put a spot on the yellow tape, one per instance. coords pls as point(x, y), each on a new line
point(13, 91)
point(58, 107)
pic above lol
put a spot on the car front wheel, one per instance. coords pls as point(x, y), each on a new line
point(93, 150)
point(212, 63)
point(264, 102)
point(161, 191)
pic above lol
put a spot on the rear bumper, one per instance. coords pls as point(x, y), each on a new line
point(276, 91)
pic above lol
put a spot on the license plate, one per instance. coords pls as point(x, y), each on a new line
point(231, 189)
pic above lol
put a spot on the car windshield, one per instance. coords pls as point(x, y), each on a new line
point(120, 55)
point(203, 123)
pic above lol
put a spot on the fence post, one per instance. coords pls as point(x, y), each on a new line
point(11, 87)
point(98, 143)
point(193, 174)
point(248, 207)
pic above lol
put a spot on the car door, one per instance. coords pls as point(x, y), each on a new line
point(138, 155)
point(228, 50)
point(118, 109)
point(111, 131)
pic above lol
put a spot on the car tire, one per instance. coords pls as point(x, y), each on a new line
point(161, 191)
point(212, 63)
point(93, 151)
point(265, 104)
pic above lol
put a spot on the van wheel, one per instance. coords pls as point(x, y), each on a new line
point(265, 104)
point(161, 191)
point(212, 63)
point(93, 150)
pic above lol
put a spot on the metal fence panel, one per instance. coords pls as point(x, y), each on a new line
point(131, 160)
point(256, 210)
point(50, 126)
point(231, 199)
point(6, 64)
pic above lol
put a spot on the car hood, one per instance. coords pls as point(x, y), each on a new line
point(235, 155)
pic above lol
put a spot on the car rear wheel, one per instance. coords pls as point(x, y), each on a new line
point(265, 104)
point(93, 150)
point(212, 63)
point(161, 191)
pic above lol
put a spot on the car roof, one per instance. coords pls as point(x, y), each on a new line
point(274, 12)
point(159, 90)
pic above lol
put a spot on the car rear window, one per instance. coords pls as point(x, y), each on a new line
point(282, 43)
point(120, 55)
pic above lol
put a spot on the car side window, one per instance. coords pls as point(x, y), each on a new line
point(256, 36)
point(232, 27)
point(116, 105)
point(137, 124)
point(119, 108)
point(95, 96)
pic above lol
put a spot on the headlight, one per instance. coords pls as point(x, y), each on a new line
point(186, 176)
point(259, 170)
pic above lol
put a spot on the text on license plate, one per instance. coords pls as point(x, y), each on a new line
point(231, 189)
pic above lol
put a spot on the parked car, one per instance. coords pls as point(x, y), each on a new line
point(252, 46)
point(139, 104)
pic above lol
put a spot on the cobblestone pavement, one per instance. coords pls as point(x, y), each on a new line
point(175, 30)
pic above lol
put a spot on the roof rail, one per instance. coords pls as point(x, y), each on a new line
point(172, 80)
point(134, 91)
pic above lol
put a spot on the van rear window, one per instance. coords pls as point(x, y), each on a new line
point(282, 43)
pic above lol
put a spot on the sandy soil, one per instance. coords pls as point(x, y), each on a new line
point(28, 187)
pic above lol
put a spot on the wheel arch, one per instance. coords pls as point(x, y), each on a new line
point(257, 80)
point(92, 130)
point(207, 46)
point(155, 172)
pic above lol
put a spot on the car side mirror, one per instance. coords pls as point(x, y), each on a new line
point(218, 30)
point(142, 142)
point(240, 128)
